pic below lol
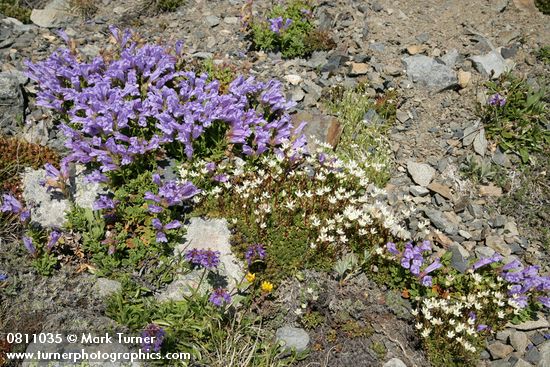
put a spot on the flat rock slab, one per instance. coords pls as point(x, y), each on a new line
point(205, 234)
point(293, 338)
point(55, 14)
point(430, 73)
point(49, 208)
point(492, 64)
point(421, 173)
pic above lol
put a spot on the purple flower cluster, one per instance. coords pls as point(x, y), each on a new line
point(525, 280)
point(497, 100)
point(55, 235)
point(11, 205)
point(486, 261)
point(254, 252)
point(119, 109)
point(56, 178)
point(27, 242)
point(206, 258)
point(277, 25)
point(412, 258)
point(157, 224)
point(3, 277)
point(220, 297)
point(170, 193)
point(156, 336)
point(104, 202)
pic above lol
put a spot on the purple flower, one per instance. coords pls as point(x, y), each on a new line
point(53, 238)
point(254, 252)
point(481, 327)
point(426, 281)
point(277, 25)
point(392, 248)
point(104, 202)
point(3, 277)
point(545, 301)
point(436, 264)
point(497, 100)
point(27, 242)
point(486, 261)
point(156, 336)
point(11, 205)
point(220, 297)
point(203, 258)
point(157, 224)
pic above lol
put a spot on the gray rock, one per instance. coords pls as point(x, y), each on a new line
point(333, 63)
point(540, 323)
point(212, 20)
point(537, 338)
point(423, 37)
point(499, 350)
point(429, 73)
point(501, 158)
point(544, 355)
point(48, 208)
point(231, 20)
point(460, 257)
point(442, 221)
point(418, 191)
point(205, 234)
point(106, 287)
point(497, 243)
point(292, 338)
point(533, 356)
point(519, 341)
point(421, 173)
point(503, 335)
point(469, 135)
point(522, 363)
point(483, 252)
point(55, 14)
point(491, 64)
point(394, 362)
point(11, 103)
point(480, 143)
point(378, 47)
point(451, 58)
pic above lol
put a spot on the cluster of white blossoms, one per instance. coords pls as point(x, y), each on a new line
point(462, 319)
point(335, 200)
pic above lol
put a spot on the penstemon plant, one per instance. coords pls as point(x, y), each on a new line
point(122, 113)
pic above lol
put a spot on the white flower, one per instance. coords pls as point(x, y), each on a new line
point(298, 311)
point(437, 321)
point(290, 205)
point(501, 314)
point(450, 334)
point(418, 325)
point(426, 332)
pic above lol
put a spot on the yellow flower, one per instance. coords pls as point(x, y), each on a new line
point(267, 286)
point(250, 277)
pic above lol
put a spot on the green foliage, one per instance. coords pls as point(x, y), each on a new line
point(15, 9)
point(299, 39)
point(285, 206)
point(543, 54)
point(543, 6)
point(213, 335)
point(521, 125)
point(312, 319)
point(124, 239)
point(483, 171)
point(162, 6)
point(85, 8)
point(364, 140)
point(380, 349)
